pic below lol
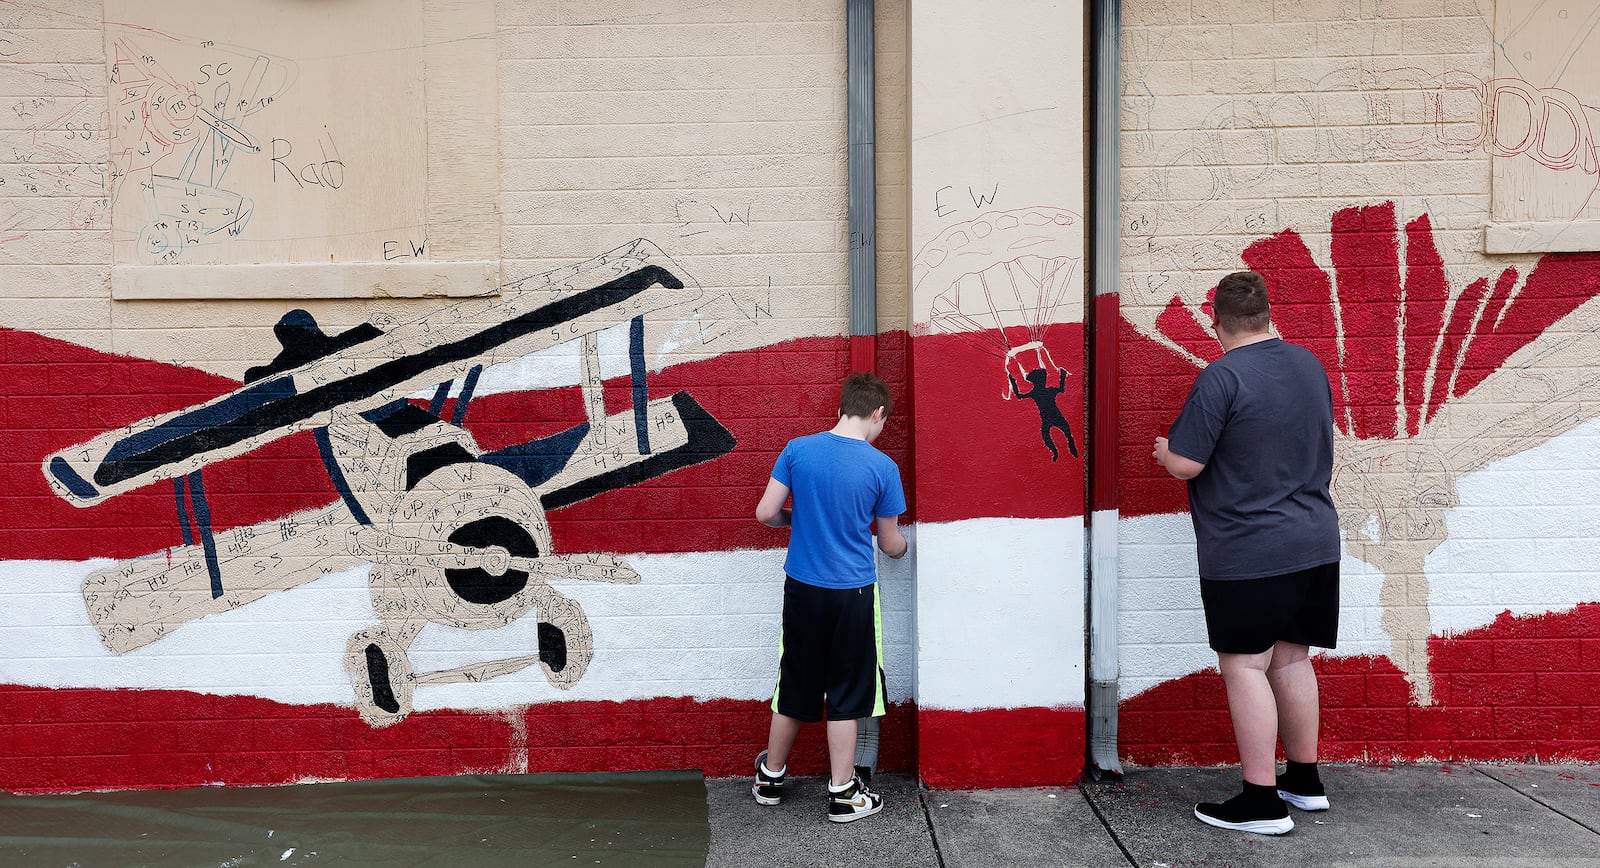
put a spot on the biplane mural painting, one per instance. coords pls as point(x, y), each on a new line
point(454, 534)
point(505, 527)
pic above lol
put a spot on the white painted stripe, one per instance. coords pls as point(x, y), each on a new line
point(703, 625)
point(1524, 538)
point(1161, 626)
point(1000, 613)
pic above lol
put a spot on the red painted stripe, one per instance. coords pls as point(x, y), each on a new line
point(54, 394)
point(1558, 284)
point(70, 740)
point(982, 454)
point(1456, 337)
point(1155, 380)
point(1178, 322)
point(1518, 689)
point(864, 353)
point(1106, 415)
point(1004, 747)
point(1365, 249)
point(1427, 293)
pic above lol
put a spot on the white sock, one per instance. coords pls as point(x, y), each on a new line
point(773, 774)
point(839, 788)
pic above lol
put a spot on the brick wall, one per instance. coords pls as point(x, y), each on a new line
point(1321, 144)
point(718, 134)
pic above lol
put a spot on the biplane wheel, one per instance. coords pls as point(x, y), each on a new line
point(484, 507)
point(566, 644)
point(159, 242)
point(380, 671)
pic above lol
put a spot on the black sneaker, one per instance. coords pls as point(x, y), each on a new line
point(853, 802)
point(768, 788)
point(1254, 810)
point(864, 773)
point(1301, 786)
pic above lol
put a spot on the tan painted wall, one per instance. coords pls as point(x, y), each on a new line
point(718, 133)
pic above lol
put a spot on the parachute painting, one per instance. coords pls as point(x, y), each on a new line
point(998, 282)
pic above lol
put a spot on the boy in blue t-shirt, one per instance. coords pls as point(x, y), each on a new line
point(831, 645)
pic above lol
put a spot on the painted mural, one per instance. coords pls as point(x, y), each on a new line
point(999, 281)
point(1405, 206)
point(998, 298)
point(1406, 353)
point(172, 146)
point(454, 534)
point(513, 534)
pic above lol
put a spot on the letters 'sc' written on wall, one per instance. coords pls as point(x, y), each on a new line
point(281, 132)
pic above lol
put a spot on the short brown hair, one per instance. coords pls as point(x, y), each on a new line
point(1241, 304)
point(863, 393)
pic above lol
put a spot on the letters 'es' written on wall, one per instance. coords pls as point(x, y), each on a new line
point(354, 135)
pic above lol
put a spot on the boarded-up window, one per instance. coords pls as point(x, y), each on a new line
point(1540, 115)
point(348, 144)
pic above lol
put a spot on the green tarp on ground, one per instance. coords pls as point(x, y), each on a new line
point(633, 819)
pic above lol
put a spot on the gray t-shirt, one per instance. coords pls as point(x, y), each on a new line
point(1261, 420)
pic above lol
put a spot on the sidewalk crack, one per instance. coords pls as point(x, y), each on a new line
point(933, 835)
point(1084, 789)
point(1535, 799)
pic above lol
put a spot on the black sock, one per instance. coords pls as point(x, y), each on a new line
point(1301, 778)
point(1257, 795)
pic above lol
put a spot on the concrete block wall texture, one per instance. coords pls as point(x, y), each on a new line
point(1353, 153)
point(244, 607)
point(996, 200)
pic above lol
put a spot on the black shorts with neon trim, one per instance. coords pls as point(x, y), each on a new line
point(831, 653)
point(1247, 616)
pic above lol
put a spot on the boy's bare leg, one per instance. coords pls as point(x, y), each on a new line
point(1294, 687)
point(1254, 713)
point(780, 739)
point(841, 751)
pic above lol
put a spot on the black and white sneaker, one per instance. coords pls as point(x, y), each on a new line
point(1301, 786)
point(1305, 801)
point(853, 802)
point(1256, 810)
point(768, 788)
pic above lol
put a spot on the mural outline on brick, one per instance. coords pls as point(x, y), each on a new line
point(454, 535)
point(1409, 417)
point(177, 143)
point(997, 281)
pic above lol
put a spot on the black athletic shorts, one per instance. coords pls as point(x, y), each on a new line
point(832, 653)
point(1246, 616)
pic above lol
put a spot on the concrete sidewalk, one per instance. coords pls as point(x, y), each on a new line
point(1410, 815)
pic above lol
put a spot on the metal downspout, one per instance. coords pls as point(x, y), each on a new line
point(863, 245)
point(863, 188)
point(1105, 229)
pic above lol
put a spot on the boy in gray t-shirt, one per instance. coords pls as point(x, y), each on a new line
point(1255, 443)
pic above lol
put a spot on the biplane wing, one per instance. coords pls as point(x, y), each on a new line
point(624, 284)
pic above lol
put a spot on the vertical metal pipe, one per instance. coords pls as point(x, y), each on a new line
point(1105, 229)
point(863, 188)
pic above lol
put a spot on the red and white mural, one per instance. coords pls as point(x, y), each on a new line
point(543, 561)
point(502, 528)
point(1423, 218)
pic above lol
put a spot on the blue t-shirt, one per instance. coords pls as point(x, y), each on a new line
point(1261, 420)
point(840, 484)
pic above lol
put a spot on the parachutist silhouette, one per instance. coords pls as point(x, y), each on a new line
point(1049, 414)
